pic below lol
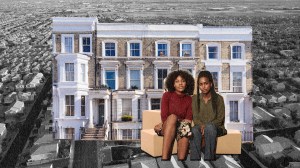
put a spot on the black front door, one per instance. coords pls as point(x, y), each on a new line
point(101, 112)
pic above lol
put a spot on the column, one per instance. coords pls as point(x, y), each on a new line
point(91, 116)
point(119, 109)
point(134, 108)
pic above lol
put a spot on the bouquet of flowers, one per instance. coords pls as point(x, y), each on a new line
point(184, 129)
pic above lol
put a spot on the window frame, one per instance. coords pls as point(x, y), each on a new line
point(68, 107)
point(82, 105)
point(192, 43)
point(155, 103)
point(115, 78)
point(81, 45)
point(234, 115)
point(130, 79)
point(67, 72)
point(242, 45)
point(157, 77)
point(129, 48)
point(233, 86)
point(63, 43)
point(83, 72)
point(131, 109)
point(218, 51)
point(104, 49)
point(162, 42)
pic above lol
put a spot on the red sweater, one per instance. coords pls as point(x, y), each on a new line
point(180, 105)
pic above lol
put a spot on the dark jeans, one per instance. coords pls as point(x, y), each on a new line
point(210, 135)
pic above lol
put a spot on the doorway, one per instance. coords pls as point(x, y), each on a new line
point(101, 112)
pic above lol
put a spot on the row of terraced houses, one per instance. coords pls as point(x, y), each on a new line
point(107, 74)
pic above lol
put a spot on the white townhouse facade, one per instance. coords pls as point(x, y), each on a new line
point(105, 72)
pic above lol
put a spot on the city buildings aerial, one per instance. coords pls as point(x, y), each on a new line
point(106, 74)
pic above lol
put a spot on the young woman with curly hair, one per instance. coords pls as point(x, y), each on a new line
point(208, 116)
point(175, 108)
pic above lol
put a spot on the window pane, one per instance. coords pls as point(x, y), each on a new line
point(69, 71)
point(126, 106)
point(161, 75)
point(233, 111)
point(110, 79)
point(237, 82)
point(83, 72)
point(69, 106)
point(155, 104)
point(162, 49)
point(68, 45)
point(82, 105)
point(186, 50)
point(134, 49)
point(135, 79)
point(213, 52)
point(237, 52)
point(86, 44)
point(110, 49)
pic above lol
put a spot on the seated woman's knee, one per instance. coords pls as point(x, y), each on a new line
point(210, 128)
point(172, 118)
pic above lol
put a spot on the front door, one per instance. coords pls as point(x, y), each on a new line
point(101, 112)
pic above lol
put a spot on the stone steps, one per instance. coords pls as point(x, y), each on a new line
point(93, 134)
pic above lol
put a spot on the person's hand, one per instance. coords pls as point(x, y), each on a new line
point(202, 129)
point(186, 120)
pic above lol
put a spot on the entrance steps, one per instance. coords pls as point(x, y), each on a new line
point(93, 134)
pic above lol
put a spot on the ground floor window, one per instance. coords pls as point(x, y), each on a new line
point(126, 134)
point(69, 133)
point(155, 104)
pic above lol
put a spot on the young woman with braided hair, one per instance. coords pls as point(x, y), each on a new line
point(208, 116)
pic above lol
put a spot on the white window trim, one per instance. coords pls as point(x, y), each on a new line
point(219, 70)
point(141, 78)
point(238, 69)
point(238, 113)
point(190, 64)
point(241, 111)
point(64, 107)
point(103, 48)
point(161, 65)
point(81, 45)
point(156, 77)
point(109, 66)
point(85, 73)
point(116, 76)
point(213, 45)
point(168, 47)
point(53, 43)
point(128, 48)
point(242, 45)
point(135, 65)
point(64, 72)
point(63, 42)
point(192, 47)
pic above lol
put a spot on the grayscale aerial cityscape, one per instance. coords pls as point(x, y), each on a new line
point(33, 134)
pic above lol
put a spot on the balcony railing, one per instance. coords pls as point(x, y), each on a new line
point(247, 136)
